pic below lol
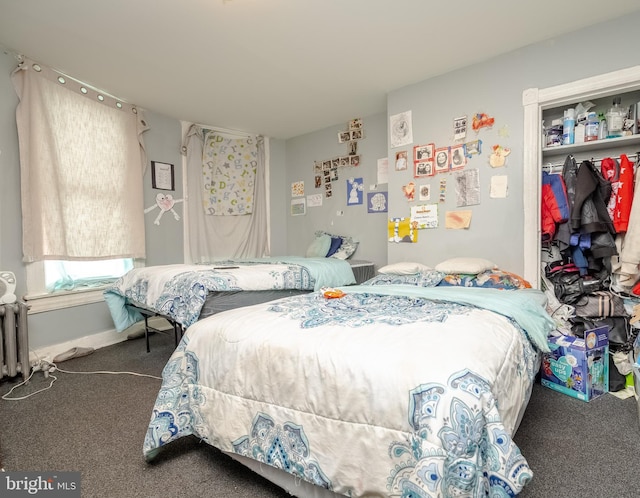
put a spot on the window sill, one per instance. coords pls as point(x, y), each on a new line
point(39, 303)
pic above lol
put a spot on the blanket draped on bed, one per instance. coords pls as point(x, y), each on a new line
point(179, 291)
point(379, 393)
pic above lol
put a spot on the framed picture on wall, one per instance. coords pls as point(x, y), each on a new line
point(423, 152)
point(423, 168)
point(443, 159)
point(162, 176)
point(458, 157)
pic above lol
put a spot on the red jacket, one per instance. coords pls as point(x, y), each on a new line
point(554, 206)
point(622, 180)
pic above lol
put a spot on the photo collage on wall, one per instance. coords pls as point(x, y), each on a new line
point(430, 160)
point(326, 171)
point(325, 174)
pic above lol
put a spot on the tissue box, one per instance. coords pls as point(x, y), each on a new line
point(578, 367)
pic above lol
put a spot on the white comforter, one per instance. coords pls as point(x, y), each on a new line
point(371, 394)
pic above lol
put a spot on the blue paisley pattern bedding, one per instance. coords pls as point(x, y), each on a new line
point(357, 310)
point(180, 291)
point(426, 408)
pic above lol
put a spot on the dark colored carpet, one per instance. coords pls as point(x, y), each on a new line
point(96, 424)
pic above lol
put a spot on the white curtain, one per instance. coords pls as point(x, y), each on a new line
point(82, 162)
point(220, 237)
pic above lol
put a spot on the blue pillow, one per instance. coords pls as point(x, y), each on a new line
point(336, 242)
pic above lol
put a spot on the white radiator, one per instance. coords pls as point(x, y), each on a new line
point(14, 340)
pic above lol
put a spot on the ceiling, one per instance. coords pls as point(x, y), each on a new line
point(278, 67)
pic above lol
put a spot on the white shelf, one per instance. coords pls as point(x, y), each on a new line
point(606, 143)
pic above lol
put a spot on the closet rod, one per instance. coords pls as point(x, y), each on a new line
point(555, 165)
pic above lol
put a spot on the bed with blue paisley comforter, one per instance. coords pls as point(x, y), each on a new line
point(180, 291)
point(388, 391)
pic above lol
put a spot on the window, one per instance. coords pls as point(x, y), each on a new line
point(69, 275)
point(82, 163)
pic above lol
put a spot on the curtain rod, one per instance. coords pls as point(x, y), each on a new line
point(596, 160)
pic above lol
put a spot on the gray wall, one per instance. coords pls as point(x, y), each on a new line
point(368, 229)
point(278, 207)
point(495, 87)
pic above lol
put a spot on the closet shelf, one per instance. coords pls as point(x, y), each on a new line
point(563, 150)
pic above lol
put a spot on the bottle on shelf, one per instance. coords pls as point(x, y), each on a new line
point(591, 128)
point(603, 129)
point(569, 127)
point(615, 119)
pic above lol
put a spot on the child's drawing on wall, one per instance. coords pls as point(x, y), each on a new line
point(354, 191)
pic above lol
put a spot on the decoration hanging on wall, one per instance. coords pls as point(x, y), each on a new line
point(499, 156)
point(162, 176)
point(481, 120)
point(401, 130)
point(377, 202)
point(503, 132)
point(355, 186)
point(409, 190)
point(425, 192)
point(298, 207)
point(297, 189)
point(165, 202)
point(228, 174)
point(467, 187)
point(458, 157)
point(472, 148)
point(401, 160)
point(423, 160)
point(424, 216)
point(314, 200)
point(328, 190)
point(400, 230)
point(443, 160)
point(423, 168)
point(456, 220)
point(499, 187)
point(443, 190)
point(460, 128)
point(423, 152)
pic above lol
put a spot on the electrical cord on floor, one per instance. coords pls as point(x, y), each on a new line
point(48, 368)
point(6, 396)
point(104, 372)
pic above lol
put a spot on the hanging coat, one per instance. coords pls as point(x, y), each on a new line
point(555, 205)
point(589, 213)
point(627, 269)
point(624, 196)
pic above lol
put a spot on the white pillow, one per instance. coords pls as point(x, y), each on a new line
point(468, 266)
point(403, 268)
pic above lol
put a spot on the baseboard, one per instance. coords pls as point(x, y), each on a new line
point(95, 341)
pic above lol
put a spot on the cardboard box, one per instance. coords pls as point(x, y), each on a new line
point(578, 367)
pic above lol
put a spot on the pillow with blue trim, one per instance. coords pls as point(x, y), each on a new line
point(427, 278)
point(347, 246)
